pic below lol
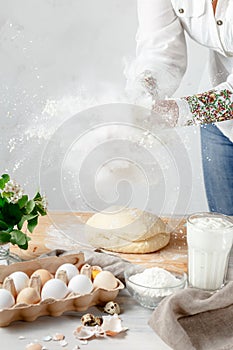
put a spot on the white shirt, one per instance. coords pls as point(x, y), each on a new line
point(161, 45)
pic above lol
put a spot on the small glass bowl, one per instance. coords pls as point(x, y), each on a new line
point(150, 297)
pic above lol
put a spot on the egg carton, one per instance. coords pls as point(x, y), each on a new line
point(52, 307)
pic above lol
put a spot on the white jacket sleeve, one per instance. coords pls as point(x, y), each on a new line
point(161, 47)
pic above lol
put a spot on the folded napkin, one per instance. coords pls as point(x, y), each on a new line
point(195, 319)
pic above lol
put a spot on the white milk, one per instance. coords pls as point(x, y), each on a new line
point(209, 239)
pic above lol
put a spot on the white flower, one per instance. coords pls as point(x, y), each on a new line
point(44, 202)
point(15, 191)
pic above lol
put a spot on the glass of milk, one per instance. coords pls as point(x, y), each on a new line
point(209, 237)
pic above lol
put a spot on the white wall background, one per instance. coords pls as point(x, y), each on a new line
point(60, 57)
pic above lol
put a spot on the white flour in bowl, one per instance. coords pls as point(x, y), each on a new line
point(154, 278)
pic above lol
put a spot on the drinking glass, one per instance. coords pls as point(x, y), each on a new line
point(209, 238)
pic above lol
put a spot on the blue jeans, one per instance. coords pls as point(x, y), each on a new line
point(217, 161)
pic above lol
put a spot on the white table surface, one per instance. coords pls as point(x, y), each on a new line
point(138, 336)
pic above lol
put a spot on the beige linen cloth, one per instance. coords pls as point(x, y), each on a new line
point(195, 319)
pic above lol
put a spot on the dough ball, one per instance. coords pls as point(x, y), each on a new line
point(149, 245)
point(127, 230)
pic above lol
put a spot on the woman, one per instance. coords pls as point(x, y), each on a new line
point(160, 64)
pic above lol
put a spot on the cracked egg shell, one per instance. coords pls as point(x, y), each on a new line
point(94, 271)
point(112, 325)
point(80, 284)
point(105, 280)
point(55, 289)
point(45, 275)
point(6, 299)
point(70, 269)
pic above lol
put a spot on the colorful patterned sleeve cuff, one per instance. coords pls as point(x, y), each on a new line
point(205, 108)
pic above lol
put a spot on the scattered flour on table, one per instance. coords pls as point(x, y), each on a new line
point(154, 277)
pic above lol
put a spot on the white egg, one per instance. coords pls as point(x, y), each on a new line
point(80, 284)
point(71, 270)
point(20, 280)
point(54, 288)
point(6, 299)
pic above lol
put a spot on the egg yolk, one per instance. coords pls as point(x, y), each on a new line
point(94, 273)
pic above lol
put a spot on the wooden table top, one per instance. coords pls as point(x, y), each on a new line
point(65, 230)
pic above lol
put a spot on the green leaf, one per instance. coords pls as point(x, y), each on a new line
point(5, 237)
point(6, 177)
point(25, 246)
point(30, 206)
point(37, 197)
point(3, 225)
point(2, 184)
point(26, 218)
point(20, 224)
point(3, 180)
point(7, 194)
point(18, 237)
point(11, 213)
point(22, 201)
point(40, 210)
point(2, 202)
point(32, 224)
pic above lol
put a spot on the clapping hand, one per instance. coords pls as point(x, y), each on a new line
point(166, 113)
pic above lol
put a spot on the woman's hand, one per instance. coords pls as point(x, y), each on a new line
point(166, 113)
point(163, 115)
point(142, 90)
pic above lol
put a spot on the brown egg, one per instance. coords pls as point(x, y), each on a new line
point(45, 275)
point(28, 296)
point(105, 280)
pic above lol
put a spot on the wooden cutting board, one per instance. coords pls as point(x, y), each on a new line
point(64, 230)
